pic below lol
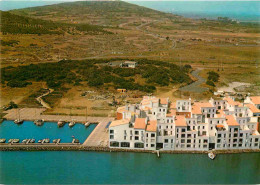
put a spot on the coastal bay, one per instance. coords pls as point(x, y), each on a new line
point(129, 168)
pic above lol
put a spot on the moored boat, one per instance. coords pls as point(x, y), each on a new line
point(61, 123)
point(40, 141)
point(16, 140)
point(87, 124)
point(39, 122)
point(10, 140)
point(2, 140)
point(18, 121)
point(72, 123)
point(75, 141)
point(211, 155)
point(32, 141)
point(25, 140)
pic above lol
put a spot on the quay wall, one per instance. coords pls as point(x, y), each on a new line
point(76, 147)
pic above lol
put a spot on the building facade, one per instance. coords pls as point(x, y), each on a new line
point(157, 123)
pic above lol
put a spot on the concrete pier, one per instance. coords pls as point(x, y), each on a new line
point(99, 136)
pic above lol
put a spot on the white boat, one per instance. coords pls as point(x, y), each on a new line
point(16, 140)
point(87, 124)
point(39, 122)
point(212, 155)
point(61, 123)
point(72, 123)
point(2, 140)
point(18, 121)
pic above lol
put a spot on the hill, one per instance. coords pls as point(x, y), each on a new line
point(17, 24)
point(109, 13)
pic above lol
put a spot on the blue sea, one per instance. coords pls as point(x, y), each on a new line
point(80, 167)
point(239, 10)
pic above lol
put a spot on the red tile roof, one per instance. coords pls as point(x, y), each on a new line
point(164, 101)
point(139, 123)
point(231, 121)
point(152, 126)
point(253, 108)
point(255, 99)
point(180, 121)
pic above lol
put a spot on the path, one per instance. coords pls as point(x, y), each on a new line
point(41, 101)
point(195, 86)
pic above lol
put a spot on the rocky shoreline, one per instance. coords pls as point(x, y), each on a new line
point(106, 149)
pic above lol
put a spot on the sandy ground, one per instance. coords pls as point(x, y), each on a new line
point(231, 86)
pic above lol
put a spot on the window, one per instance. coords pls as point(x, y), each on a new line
point(124, 137)
point(166, 140)
point(152, 135)
point(183, 141)
point(111, 131)
point(146, 134)
point(125, 144)
point(136, 138)
point(139, 145)
point(111, 136)
point(189, 141)
point(183, 135)
point(131, 137)
point(219, 135)
point(152, 145)
point(219, 140)
point(183, 130)
point(114, 144)
point(136, 132)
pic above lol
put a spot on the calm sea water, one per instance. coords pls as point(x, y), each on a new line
point(29, 130)
point(239, 10)
point(127, 168)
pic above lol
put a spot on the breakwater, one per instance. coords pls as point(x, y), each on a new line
point(77, 147)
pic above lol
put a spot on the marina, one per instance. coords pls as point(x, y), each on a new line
point(29, 133)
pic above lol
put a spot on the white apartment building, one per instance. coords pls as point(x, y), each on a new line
point(157, 123)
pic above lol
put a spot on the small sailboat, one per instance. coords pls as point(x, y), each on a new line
point(61, 123)
point(32, 141)
point(2, 140)
point(39, 122)
point(16, 140)
point(87, 124)
point(18, 120)
point(40, 141)
point(72, 123)
point(46, 140)
point(211, 155)
point(25, 141)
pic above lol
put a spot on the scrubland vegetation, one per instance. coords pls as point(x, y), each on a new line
point(97, 73)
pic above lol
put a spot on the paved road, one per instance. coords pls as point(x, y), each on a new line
point(195, 86)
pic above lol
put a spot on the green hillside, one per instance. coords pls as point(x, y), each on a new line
point(17, 24)
point(109, 13)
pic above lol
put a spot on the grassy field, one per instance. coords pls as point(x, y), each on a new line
point(131, 32)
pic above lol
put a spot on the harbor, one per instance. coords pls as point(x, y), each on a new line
point(32, 128)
